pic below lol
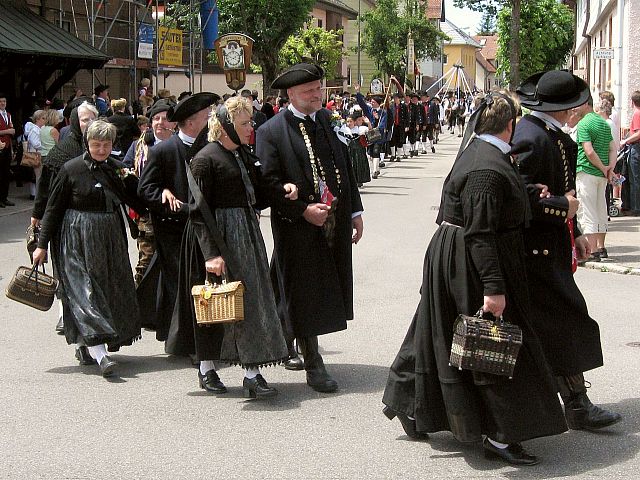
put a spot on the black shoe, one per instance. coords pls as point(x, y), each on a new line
point(404, 157)
point(603, 253)
point(423, 152)
point(375, 175)
point(594, 257)
point(382, 164)
point(211, 382)
point(32, 197)
point(2, 205)
point(60, 327)
point(8, 203)
point(433, 149)
point(408, 425)
point(83, 356)
point(257, 387)
point(294, 363)
point(317, 376)
point(514, 454)
point(581, 414)
point(107, 366)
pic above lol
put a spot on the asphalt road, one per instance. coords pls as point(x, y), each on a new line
point(59, 420)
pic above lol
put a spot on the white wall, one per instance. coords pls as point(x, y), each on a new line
point(177, 82)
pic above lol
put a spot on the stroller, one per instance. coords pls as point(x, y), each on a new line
point(621, 170)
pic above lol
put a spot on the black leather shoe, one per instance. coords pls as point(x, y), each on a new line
point(317, 376)
point(320, 380)
point(60, 327)
point(9, 203)
point(211, 382)
point(107, 366)
point(257, 387)
point(408, 425)
point(83, 356)
point(581, 414)
point(514, 454)
point(294, 363)
point(433, 149)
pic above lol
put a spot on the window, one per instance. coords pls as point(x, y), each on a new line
point(444, 58)
point(320, 23)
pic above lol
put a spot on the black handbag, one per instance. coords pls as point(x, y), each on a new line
point(33, 234)
point(32, 288)
point(483, 345)
point(373, 135)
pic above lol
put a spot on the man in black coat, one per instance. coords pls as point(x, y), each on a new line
point(164, 188)
point(570, 338)
point(416, 115)
point(398, 125)
point(313, 235)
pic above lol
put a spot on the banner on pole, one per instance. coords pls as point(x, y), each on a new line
point(170, 44)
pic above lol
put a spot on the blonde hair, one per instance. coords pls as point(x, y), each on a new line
point(38, 114)
point(496, 116)
point(145, 82)
point(52, 117)
point(235, 106)
point(118, 104)
point(102, 131)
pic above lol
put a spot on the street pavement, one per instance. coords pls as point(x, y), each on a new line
point(59, 420)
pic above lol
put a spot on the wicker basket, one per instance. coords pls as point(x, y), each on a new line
point(218, 303)
point(482, 345)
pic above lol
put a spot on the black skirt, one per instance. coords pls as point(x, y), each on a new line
point(423, 385)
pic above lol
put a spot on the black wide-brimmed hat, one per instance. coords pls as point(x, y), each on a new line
point(553, 91)
point(100, 88)
point(76, 102)
point(298, 75)
point(191, 105)
point(162, 105)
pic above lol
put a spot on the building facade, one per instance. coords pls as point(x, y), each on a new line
point(460, 51)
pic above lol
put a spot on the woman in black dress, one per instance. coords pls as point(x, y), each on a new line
point(84, 225)
point(227, 174)
point(476, 259)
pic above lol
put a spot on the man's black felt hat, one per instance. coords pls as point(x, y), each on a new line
point(298, 75)
point(100, 88)
point(553, 91)
point(191, 105)
point(162, 105)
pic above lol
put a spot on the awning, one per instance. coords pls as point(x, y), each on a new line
point(22, 32)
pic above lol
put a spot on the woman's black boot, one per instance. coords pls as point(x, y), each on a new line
point(408, 425)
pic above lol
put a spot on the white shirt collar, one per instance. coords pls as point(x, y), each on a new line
point(496, 142)
point(548, 119)
point(299, 114)
point(156, 139)
point(186, 139)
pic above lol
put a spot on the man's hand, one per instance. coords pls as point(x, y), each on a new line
point(358, 226)
point(316, 213)
point(494, 304)
point(583, 249)
point(357, 87)
point(574, 203)
point(35, 222)
point(292, 191)
point(544, 190)
point(170, 198)
point(2, 145)
point(215, 265)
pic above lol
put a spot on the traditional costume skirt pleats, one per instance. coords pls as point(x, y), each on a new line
point(360, 163)
point(96, 280)
point(258, 339)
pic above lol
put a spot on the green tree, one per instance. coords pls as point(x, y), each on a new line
point(269, 22)
point(547, 31)
point(321, 46)
point(386, 30)
point(487, 24)
point(492, 7)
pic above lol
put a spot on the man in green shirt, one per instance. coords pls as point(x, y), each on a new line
point(596, 159)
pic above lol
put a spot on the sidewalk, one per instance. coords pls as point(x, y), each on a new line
point(19, 196)
point(623, 247)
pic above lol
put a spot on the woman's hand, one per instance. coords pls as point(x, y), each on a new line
point(215, 265)
point(292, 191)
point(494, 304)
point(39, 256)
point(170, 198)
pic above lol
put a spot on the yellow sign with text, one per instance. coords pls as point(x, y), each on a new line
point(170, 43)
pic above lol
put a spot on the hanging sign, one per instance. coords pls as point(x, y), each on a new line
point(234, 57)
point(145, 41)
point(377, 87)
point(170, 45)
point(603, 54)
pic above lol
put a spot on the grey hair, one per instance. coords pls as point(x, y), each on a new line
point(38, 114)
point(87, 107)
point(102, 131)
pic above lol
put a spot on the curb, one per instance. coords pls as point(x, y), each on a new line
point(611, 268)
point(15, 211)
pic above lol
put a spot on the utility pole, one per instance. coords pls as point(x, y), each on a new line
point(359, 1)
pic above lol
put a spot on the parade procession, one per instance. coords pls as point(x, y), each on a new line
point(319, 239)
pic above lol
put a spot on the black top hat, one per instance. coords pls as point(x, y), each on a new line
point(553, 91)
point(297, 75)
point(190, 105)
point(100, 88)
point(162, 105)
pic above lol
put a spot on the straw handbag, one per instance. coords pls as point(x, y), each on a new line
point(481, 345)
point(32, 288)
point(218, 303)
